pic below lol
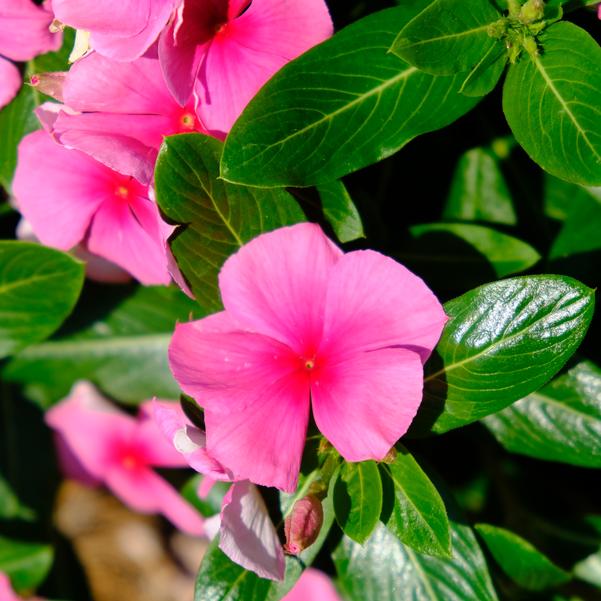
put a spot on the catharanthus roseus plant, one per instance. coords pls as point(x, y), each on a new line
point(297, 300)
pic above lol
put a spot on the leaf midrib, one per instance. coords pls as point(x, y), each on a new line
point(32, 280)
point(544, 399)
point(449, 36)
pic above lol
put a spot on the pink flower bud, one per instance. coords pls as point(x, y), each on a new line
point(50, 84)
point(303, 524)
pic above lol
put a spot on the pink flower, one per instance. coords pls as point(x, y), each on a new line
point(99, 443)
point(306, 325)
point(229, 49)
point(247, 534)
point(122, 30)
point(303, 524)
point(69, 198)
point(119, 113)
point(313, 585)
point(24, 33)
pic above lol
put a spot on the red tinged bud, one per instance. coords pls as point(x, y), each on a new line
point(303, 524)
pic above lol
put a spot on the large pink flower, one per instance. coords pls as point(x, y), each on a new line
point(24, 33)
point(304, 322)
point(69, 198)
point(119, 113)
point(230, 48)
point(99, 443)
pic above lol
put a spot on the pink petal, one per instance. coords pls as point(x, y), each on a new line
point(99, 269)
point(365, 403)
point(146, 492)
point(6, 590)
point(24, 30)
point(374, 302)
point(276, 284)
point(10, 81)
point(250, 49)
point(120, 232)
point(58, 190)
point(248, 536)
point(313, 585)
point(188, 441)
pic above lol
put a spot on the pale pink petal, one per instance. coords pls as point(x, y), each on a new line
point(276, 284)
point(248, 536)
point(205, 487)
point(250, 49)
point(118, 235)
point(10, 81)
point(374, 302)
point(47, 114)
point(365, 403)
point(143, 490)
point(6, 590)
point(187, 441)
point(58, 190)
point(313, 585)
point(99, 269)
point(71, 466)
point(263, 441)
point(24, 30)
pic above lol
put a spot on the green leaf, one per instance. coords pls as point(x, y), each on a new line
point(551, 102)
point(340, 211)
point(209, 505)
point(561, 197)
point(485, 75)
point(55, 61)
point(449, 36)
point(560, 422)
point(358, 499)
point(384, 569)
point(124, 351)
point(418, 517)
point(216, 217)
point(10, 506)
point(479, 191)
point(502, 342)
point(39, 287)
point(26, 564)
point(505, 253)
point(524, 564)
point(343, 105)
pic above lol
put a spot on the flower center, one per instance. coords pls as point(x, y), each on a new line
point(188, 121)
point(130, 461)
point(309, 364)
point(122, 192)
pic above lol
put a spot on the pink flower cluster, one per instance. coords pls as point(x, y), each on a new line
point(156, 68)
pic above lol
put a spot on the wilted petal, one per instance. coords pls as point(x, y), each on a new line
point(248, 536)
point(10, 81)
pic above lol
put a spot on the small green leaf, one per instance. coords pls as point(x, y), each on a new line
point(343, 105)
point(505, 253)
point(10, 506)
point(216, 218)
point(39, 287)
point(560, 422)
point(449, 36)
point(26, 564)
point(502, 342)
point(418, 517)
point(485, 75)
point(340, 211)
point(524, 564)
point(55, 61)
point(479, 191)
point(358, 499)
point(551, 102)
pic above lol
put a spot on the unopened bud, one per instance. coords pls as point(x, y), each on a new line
point(533, 10)
point(303, 524)
point(50, 84)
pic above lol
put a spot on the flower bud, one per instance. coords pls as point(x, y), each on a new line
point(303, 524)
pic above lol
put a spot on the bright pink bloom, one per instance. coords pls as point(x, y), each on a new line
point(101, 443)
point(247, 534)
point(121, 29)
point(304, 322)
point(24, 33)
point(313, 585)
point(119, 113)
point(229, 49)
point(69, 198)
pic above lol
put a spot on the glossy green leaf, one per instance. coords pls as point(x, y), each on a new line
point(448, 36)
point(215, 217)
point(340, 211)
point(26, 564)
point(479, 191)
point(551, 102)
point(55, 61)
point(486, 73)
point(10, 506)
point(524, 564)
point(502, 342)
point(560, 422)
point(39, 287)
point(418, 517)
point(124, 351)
point(383, 569)
point(505, 253)
point(341, 106)
point(358, 499)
